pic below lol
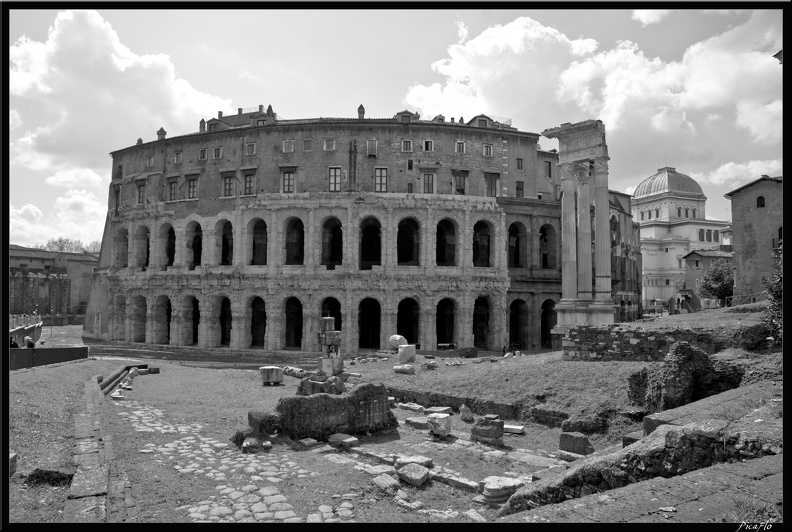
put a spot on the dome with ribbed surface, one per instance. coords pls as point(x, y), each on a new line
point(666, 180)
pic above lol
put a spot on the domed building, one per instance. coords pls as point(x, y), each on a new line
point(670, 208)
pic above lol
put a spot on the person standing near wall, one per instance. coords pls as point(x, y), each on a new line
point(29, 342)
point(13, 343)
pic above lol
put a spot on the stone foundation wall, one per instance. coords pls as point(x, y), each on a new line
point(612, 342)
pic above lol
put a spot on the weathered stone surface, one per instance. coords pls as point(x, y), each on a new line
point(386, 483)
point(438, 410)
point(263, 422)
point(397, 340)
point(487, 428)
point(413, 474)
point(420, 423)
point(568, 456)
point(271, 374)
point(412, 407)
point(575, 442)
point(308, 443)
point(406, 354)
point(494, 488)
point(467, 352)
point(440, 424)
point(251, 446)
point(402, 460)
point(430, 365)
point(586, 423)
point(514, 429)
point(334, 385)
point(153, 370)
point(466, 414)
point(473, 515)
point(491, 417)
point(406, 369)
point(12, 463)
point(336, 439)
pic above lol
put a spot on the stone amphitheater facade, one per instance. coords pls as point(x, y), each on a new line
point(247, 232)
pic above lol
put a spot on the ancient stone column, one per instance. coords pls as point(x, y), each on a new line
point(602, 245)
point(309, 243)
point(240, 324)
point(568, 234)
point(429, 326)
point(584, 235)
point(151, 320)
point(533, 237)
point(128, 319)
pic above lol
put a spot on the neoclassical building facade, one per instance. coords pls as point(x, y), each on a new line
point(245, 233)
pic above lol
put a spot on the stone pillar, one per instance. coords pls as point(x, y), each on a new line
point(388, 246)
point(151, 320)
point(429, 326)
point(465, 243)
point(210, 252)
point(463, 322)
point(568, 234)
point(241, 243)
point(533, 237)
point(430, 246)
point(388, 325)
point(240, 323)
point(501, 249)
point(584, 235)
point(310, 245)
point(128, 324)
point(274, 259)
point(209, 328)
point(601, 223)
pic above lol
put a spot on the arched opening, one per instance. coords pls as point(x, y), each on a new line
point(481, 322)
point(139, 316)
point(408, 243)
point(760, 201)
point(548, 322)
point(445, 247)
point(161, 324)
point(194, 237)
point(295, 241)
point(226, 235)
point(142, 250)
point(445, 321)
point(258, 322)
point(408, 320)
point(370, 243)
point(518, 324)
point(623, 311)
point(258, 243)
point(369, 324)
point(331, 308)
point(294, 323)
point(332, 243)
point(119, 320)
point(518, 248)
point(225, 321)
point(168, 241)
point(122, 248)
point(195, 320)
point(481, 245)
point(547, 247)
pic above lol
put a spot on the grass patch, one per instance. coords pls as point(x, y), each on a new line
point(722, 318)
point(755, 512)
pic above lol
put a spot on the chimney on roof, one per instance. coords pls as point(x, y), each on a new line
point(261, 108)
point(765, 175)
point(239, 110)
point(219, 114)
point(139, 142)
point(161, 134)
point(202, 126)
point(461, 120)
point(452, 120)
point(361, 112)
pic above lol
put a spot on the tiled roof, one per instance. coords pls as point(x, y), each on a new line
point(777, 179)
point(712, 253)
point(30, 253)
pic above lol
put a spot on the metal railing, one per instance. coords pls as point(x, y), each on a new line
point(22, 320)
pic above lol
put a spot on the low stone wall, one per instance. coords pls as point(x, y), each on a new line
point(612, 342)
point(33, 357)
point(667, 452)
point(546, 416)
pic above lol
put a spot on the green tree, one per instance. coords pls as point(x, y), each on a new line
point(93, 247)
point(774, 290)
point(718, 281)
point(67, 245)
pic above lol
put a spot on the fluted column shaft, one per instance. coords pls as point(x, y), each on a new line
point(584, 237)
point(601, 224)
point(568, 235)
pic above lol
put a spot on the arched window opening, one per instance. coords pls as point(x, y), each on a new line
point(225, 321)
point(258, 251)
point(445, 321)
point(408, 320)
point(548, 322)
point(369, 324)
point(445, 247)
point(547, 247)
point(194, 237)
point(196, 320)
point(139, 316)
point(170, 247)
point(331, 308)
point(226, 245)
point(760, 201)
point(694, 213)
point(519, 331)
point(481, 315)
point(518, 248)
point(295, 241)
point(679, 212)
point(370, 243)
point(122, 248)
point(642, 216)
point(657, 213)
point(408, 243)
point(687, 213)
point(258, 322)
point(294, 323)
point(332, 244)
point(481, 245)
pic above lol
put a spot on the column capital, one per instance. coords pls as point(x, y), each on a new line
point(601, 164)
point(567, 171)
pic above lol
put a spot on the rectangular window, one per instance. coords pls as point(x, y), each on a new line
point(459, 183)
point(192, 188)
point(488, 150)
point(409, 190)
point(307, 144)
point(428, 183)
point(119, 171)
point(202, 154)
point(492, 185)
point(520, 189)
point(698, 282)
point(428, 145)
point(117, 196)
point(334, 179)
point(178, 157)
point(715, 236)
point(329, 144)
point(141, 189)
point(482, 122)
point(709, 235)
point(697, 265)
point(288, 146)
point(212, 127)
point(519, 164)
point(460, 146)
point(260, 122)
point(406, 119)
point(172, 187)
point(380, 180)
point(250, 148)
point(288, 182)
point(150, 161)
point(409, 164)
point(217, 153)
point(548, 169)
point(371, 146)
point(701, 235)
point(406, 145)
point(249, 184)
point(228, 186)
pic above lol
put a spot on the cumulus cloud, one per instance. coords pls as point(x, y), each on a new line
point(76, 177)
point(762, 120)
point(462, 31)
point(14, 120)
point(737, 174)
point(78, 214)
point(113, 94)
point(489, 73)
point(24, 228)
point(649, 16)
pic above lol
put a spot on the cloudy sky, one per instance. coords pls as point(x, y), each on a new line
point(696, 90)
